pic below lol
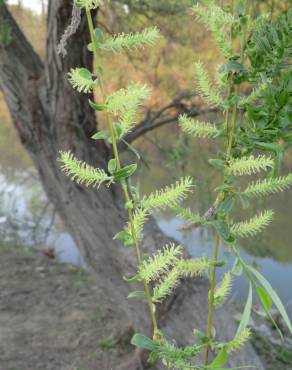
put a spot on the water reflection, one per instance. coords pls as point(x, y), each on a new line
point(271, 250)
point(199, 243)
point(28, 219)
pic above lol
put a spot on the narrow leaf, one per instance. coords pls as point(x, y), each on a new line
point(112, 166)
point(217, 163)
point(274, 296)
point(246, 312)
point(132, 279)
point(220, 360)
point(101, 135)
point(97, 107)
point(125, 172)
point(122, 235)
point(137, 294)
point(265, 298)
point(141, 341)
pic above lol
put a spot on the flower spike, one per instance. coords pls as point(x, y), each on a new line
point(82, 172)
point(81, 80)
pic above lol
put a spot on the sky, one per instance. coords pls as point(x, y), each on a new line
point(33, 4)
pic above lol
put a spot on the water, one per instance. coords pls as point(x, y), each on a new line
point(198, 244)
point(270, 251)
point(27, 219)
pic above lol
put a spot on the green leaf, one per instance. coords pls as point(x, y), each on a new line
point(129, 205)
point(99, 36)
point(265, 298)
point(274, 296)
point(125, 172)
point(125, 237)
point(269, 146)
point(220, 263)
point(122, 235)
point(223, 230)
point(112, 166)
point(246, 312)
point(220, 360)
point(132, 279)
point(100, 135)
point(129, 242)
point(227, 205)
point(118, 130)
point(201, 337)
point(217, 163)
point(232, 66)
point(97, 107)
point(141, 341)
point(137, 294)
point(85, 73)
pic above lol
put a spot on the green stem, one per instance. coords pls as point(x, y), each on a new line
point(139, 258)
point(230, 131)
point(123, 182)
point(232, 128)
point(212, 296)
point(222, 196)
point(217, 238)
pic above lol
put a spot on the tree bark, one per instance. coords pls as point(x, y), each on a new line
point(50, 116)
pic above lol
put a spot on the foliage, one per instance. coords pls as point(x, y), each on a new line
point(251, 146)
point(268, 121)
point(137, 40)
point(269, 48)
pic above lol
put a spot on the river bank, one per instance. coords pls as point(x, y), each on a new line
point(53, 316)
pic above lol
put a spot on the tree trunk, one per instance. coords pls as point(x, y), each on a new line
point(50, 116)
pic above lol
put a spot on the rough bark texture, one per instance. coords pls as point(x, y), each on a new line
point(50, 116)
